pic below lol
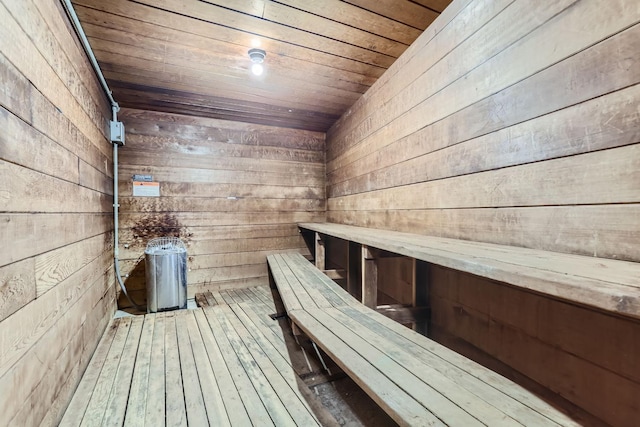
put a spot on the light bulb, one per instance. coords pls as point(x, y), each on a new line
point(257, 69)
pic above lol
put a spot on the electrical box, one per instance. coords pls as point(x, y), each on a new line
point(117, 132)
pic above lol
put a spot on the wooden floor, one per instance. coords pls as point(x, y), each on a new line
point(222, 365)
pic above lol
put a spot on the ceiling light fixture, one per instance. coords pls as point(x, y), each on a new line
point(257, 57)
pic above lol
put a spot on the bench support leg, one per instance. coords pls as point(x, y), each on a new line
point(319, 252)
point(296, 330)
point(421, 293)
point(324, 365)
point(369, 277)
point(353, 270)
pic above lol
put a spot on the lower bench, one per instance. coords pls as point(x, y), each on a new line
point(414, 379)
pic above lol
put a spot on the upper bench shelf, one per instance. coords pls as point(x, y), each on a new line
point(606, 284)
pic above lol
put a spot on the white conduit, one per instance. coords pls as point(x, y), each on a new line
point(114, 111)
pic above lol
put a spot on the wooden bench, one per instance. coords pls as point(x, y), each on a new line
point(414, 379)
point(606, 284)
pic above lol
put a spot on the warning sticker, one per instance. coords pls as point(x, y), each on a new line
point(146, 189)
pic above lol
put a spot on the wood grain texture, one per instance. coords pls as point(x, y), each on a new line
point(320, 57)
point(17, 286)
point(232, 191)
point(601, 231)
point(413, 379)
point(55, 197)
point(608, 285)
point(575, 352)
point(439, 127)
point(461, 105)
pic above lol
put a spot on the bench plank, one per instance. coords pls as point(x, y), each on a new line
point(415, 380)
point(433, 394)
point(319, 284)
point(441, 368)
point(610, 285)
point(289, 297)
point(301, 287)
point(402, 407)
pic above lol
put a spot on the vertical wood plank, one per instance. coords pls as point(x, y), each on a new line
point(354, 270)
point(155, 405)
point(100, 397)
point(75, 412)
point(137, 404)
point(116, 409)
point(422, 293)
point(238, 376)
point(193, 398)
point(231, 397)
point(216, 412)
point(369, 278)
point(320, 260)
point(176, 413)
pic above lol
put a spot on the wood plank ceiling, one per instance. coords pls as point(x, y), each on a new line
point(190, 56)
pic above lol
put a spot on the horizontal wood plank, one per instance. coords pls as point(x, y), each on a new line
point(582, 280)
point(544, 228)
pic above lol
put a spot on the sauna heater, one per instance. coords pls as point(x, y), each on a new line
point(166, 274)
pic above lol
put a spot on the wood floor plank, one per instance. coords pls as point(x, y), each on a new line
point(138, 394)
point(116, 409)
point(227, 297)
point(231, 397)
point(156, 403)
point(216, 412)
point(269, 327)
point(268, 395)
point(279, 337)
point(176, 414)
point(76, 409)
point(103, 388)
point(264, 293)
point(193, 395)
point(250, 398)
point(255, 323)
point(276, 368)
point(217, 298)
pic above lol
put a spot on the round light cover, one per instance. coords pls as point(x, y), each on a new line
point(257, 57)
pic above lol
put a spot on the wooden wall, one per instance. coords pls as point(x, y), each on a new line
point(588, 357)
point(232, 191)
point(504, 122)
point(517, 124)
point(56, 282)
